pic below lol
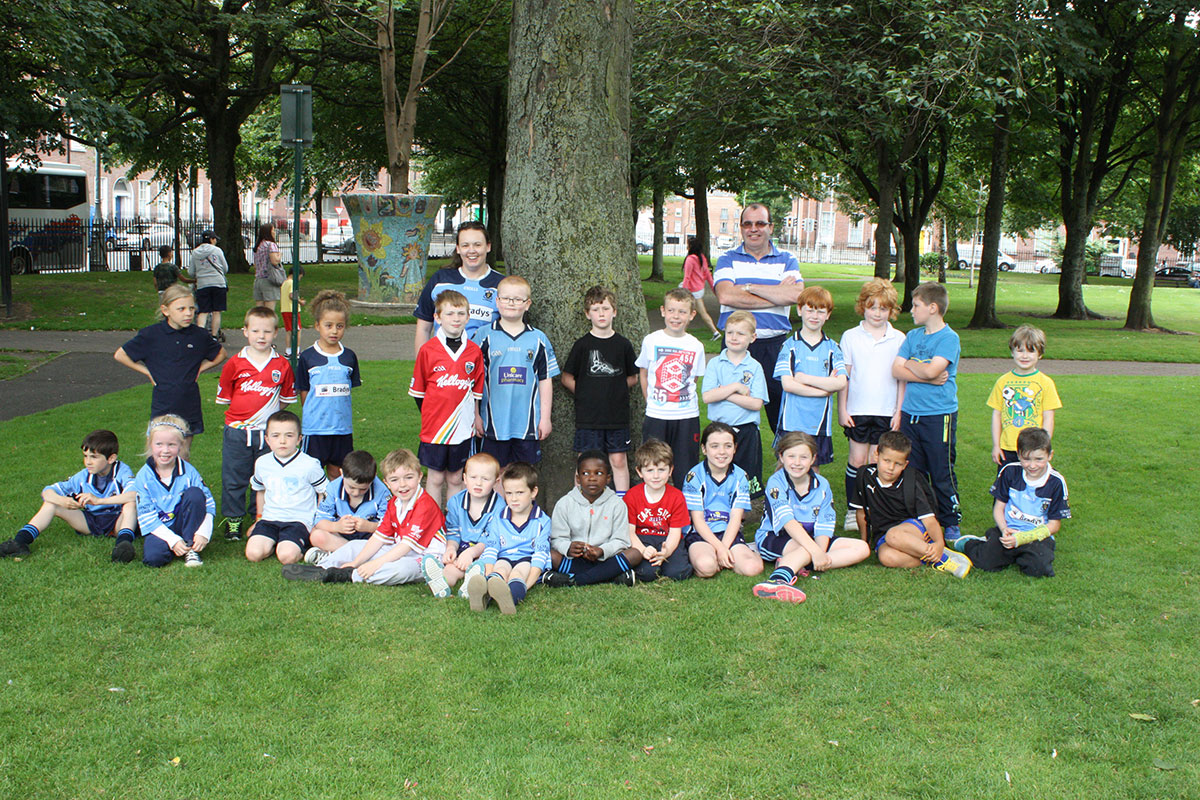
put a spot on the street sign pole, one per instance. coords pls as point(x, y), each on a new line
point(296, 129)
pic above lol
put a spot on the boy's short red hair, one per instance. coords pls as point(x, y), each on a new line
point(878, 290)
point(815, 297)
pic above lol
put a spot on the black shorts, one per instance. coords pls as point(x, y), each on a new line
point(329, 448)
point(682, 436)
point(507, 451)
point(608, 441)
point(867, 429)
point(279, 532)
point(444, 457)
point(772, 543)
point(211, 298)
point(691, 537)
point(747, 454)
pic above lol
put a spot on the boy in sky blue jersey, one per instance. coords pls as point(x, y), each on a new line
point(812, 372)
point(514, 415)
point(928, 363)
point(99, 499)
point(325, 374)
point(352, 508)
point(516, 544)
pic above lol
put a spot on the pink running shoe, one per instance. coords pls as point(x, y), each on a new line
point(778, 591)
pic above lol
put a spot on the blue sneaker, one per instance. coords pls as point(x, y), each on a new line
point(960, 544)
point(951, 533)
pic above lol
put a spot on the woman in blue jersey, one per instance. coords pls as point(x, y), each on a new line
point(468, 274)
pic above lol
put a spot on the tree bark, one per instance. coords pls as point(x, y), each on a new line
point(985, 295)
point(883, 228)
point(700, 205)
point(656, 258)
point(567, 195)
point(223, 141)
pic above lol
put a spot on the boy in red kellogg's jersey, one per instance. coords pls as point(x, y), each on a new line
point(657, 515)
point(255, 384)
point(447, 382)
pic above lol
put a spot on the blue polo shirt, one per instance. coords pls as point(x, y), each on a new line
point(721, 371)
point(480, 294)
point(337, 503)
point(812, 415)
point(459, 525)
point(505, 541)
point(173, 357)
point(739, 267)
point(924, 399)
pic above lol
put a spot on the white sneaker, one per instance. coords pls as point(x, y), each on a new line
point(435, 578)
point(851, 523)
point(192, 559)
point(315, 555)
point(474, 569)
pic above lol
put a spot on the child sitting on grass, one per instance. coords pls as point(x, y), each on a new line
point(657, 516)
point(797, 528)
point(288, 485)
point(1031, 503)
point(411, 528)
point(718, 494)
point(175, 508)
point(99, 499)
point(516, 544)
point(589, 533)
point(353, 506)
point(895, 512)
point(468, 514)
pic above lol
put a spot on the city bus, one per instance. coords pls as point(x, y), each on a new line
point(48, 217)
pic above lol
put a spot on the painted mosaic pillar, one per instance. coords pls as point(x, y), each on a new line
point(392, 234)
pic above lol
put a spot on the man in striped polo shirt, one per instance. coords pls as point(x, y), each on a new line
point(764, 280)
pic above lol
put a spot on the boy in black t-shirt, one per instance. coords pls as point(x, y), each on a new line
point(600, 371)
point(895, 512)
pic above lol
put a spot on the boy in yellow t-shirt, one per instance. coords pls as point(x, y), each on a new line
point(1023, 397)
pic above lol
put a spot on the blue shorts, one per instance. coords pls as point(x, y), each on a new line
point(772, 543)
point(279, 532)
point(690, 537)
point(444, 457)
point(329, 448)
point(608, 441)
point(507, 451)
point(515, 561)
point(461, 547)
point(101, 522)
point(883, 536)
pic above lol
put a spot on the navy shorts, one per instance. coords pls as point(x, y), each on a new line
point(211, 298)
point(747, 454)
point(614, 441)
point(682, 436)
point(867, 429)
point(772, 543)
point(690, 537)
point(329, 448)
point(279, 532)
point(515, 561)
point(101, 522)
point(507, 451)
point(444, 457)
point(463, 546)
point(883, 536)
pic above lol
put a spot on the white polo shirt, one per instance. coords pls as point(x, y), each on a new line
point(872, 389)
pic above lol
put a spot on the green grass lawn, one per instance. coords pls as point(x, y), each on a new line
point(884, 684)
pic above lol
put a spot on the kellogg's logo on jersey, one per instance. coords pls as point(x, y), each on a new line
point(452, 382)
point(256, 387)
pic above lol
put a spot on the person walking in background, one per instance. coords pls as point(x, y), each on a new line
point(266, 256)
point(696, 275)
point(209, 267)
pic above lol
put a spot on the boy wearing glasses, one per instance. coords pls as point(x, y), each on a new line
point(519, 364)
point(758, 277)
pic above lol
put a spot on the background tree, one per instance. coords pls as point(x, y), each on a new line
point(567, 224)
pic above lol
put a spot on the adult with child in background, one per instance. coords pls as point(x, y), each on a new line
point(468, 274)
point(209, 268)
point(266, 255)
point(760, 278)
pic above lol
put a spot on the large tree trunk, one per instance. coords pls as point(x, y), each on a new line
point(883, 228)
point(985, 295)
point(497, 164)
point(700, 203)
point(223, 140)
point(910, 240)
point(656, 257)
point(1078, 225)
point(566, 221)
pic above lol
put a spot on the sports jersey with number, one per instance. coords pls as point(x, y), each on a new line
point(337, 503)
point(459, 525)
point(797, 357)
point(784, 504)
point(449, 384)
point(328, 380)
point(716, 498)
point(672, 364)
point(1021, 401)
point(1028, 504)
point(418, 522)
point(511, 407)
point(254, 393)
point(289, 487)
point(480, 294)
point(505, 541)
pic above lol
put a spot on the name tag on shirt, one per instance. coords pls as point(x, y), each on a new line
point(331, 390)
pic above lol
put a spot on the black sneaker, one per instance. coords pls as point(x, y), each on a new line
point(13, 548)
point(557, 579)
point(123, 552)
point(221, 337)
point(338, 574)
point(626, 578)
point(303, 572)
point(233, 530)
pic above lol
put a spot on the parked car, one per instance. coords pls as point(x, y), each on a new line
point(643, 247)
point(1046, 266)
point(339, 241)
point(142, 236)
point(1112, 265)
point(1176, 276)
point(1005, 261)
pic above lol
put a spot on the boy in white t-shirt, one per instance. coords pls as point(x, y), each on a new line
point(288, 485)
point(870, 403)
point(668, 365)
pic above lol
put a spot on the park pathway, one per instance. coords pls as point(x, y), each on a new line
point(86, 369)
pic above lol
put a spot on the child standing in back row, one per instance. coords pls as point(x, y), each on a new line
point(1023, 397)
point(325, 374)
point(812, 371)
point(735, 390)
point(600, 371)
